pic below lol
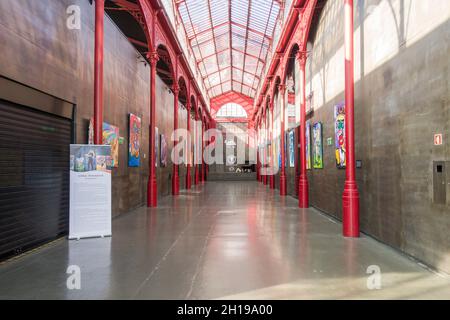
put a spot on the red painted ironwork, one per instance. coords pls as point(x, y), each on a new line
point(190, 103)
point(98, 71)
point(175, 177)
point(152, 187)
point(271, 126)
point(266, 149)
point(350, 198)
point(303, 187)
point(282, 92)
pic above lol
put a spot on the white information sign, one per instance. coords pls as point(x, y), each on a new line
point(90, 191)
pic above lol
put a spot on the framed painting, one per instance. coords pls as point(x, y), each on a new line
point(339, 132)
point(308, 144)
point(317, 146)
point(292, 148)
point(110, 138)
point(134, 142)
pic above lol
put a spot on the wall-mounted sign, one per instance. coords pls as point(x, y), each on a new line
point(438, 139)
point(329, 141)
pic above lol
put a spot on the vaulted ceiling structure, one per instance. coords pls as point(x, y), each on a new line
point(230, 40)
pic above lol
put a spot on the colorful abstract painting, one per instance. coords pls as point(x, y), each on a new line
point(317, 146)
point(339, 130)
point(308, 145)
point(134, 144)
point(291, 149)
point(285, 149)
point(111, 138)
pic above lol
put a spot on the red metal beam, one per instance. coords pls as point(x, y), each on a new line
point(138, 43)
point(127, 4)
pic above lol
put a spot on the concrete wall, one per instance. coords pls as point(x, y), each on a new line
point(402, 96)
point(40, 51)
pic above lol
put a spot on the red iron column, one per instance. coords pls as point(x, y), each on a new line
point(196, 142)
point(152, 188)
point(257, 152)
point(272, 160)
point(303, 187)
point(282, 91)
point(175, 178)
point(350, 198)
point(202, 179)
point(206, 165)
point(188, 152)
point(266, 137)
point(98, 71)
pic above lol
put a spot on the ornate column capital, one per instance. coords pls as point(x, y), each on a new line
point(175, 89)
point(153, 57)
point(282, 88)
point(301, 57)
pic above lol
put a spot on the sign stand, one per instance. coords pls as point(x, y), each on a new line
point(90, 191)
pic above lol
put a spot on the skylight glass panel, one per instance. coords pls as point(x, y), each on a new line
point(225, 75)
point(237, 74)
point(213, 25)
point(219, 11)
point(214, 79)
point(239, 11)
point(238, 59)
point(227, 86)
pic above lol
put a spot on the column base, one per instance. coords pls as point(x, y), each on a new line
point(265, 180)
point(272, 181)
point(283, 187)
point(350, 206)
point(175, 185)
point(303, 193)
point(188, 178)
point(152, 193)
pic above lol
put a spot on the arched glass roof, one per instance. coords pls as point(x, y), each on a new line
point(230, 40)
point(231, 110)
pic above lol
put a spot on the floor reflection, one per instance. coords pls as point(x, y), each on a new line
point(220, 239)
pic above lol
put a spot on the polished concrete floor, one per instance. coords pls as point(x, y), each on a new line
point(233, 240)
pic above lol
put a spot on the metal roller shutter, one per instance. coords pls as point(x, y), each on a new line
point(34, 177)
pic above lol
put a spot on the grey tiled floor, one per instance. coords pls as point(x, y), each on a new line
point(220, 240)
